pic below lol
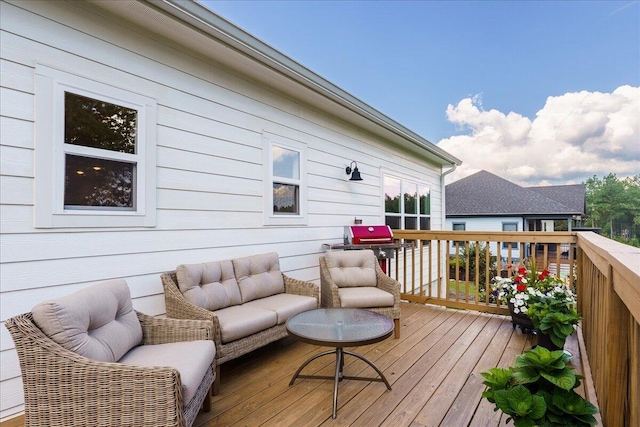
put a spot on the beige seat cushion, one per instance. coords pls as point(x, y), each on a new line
point(239, 321)
point(365, 297)
point(190, 358)
point(285, 305)
point(97, 322)
point(352, 268)
point(210, 285)
point(258, 276)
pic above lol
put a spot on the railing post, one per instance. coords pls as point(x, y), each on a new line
point(616, 370)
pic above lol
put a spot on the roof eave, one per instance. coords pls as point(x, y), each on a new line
point(197, 15)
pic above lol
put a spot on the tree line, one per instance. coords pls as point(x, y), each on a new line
point(613, 205)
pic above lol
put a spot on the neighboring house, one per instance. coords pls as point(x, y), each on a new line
point(486, 202)
point(139, 135)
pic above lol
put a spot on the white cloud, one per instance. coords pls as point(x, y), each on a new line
point(573, 137)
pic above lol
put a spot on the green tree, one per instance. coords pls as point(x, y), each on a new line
point(613, 204)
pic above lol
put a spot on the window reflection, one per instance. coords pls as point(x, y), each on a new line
point(286, 163)
point(285, 198)
point(98, 124)
point(391, 195)
point(98, 182)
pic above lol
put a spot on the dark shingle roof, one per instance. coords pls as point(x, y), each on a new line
point(571, 196)
point(484, 193)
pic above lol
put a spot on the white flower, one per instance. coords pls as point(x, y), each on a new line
point(512, 300)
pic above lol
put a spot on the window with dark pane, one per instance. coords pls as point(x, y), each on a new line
point(98, 124)
point(510, 226)
point(93, 182)
point(458, 226)
point(96, 177)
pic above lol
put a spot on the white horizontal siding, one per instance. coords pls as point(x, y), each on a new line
point(210, 122)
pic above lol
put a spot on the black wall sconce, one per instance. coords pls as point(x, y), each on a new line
point(355, 173)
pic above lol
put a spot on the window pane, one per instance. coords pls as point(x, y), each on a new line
point(425, 200)
point(99, 124)
point(410, 223)
point(410, 198)
point(97, 182)
point(285, 199)
point(459, 226)
point(393, 222)
point(286, 163)
point(391, 195)
point(425, 223)
point(510, 226)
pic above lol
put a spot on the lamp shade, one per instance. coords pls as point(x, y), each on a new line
point(355, 173)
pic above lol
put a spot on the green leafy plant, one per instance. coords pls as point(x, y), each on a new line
point(553, 316)
point(539, 390)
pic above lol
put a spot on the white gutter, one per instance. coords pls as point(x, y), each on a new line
point(197, 15)
point(444, 197)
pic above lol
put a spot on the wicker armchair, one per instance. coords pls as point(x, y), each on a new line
point(179, 307)
point(62, 388)
point(330, 291)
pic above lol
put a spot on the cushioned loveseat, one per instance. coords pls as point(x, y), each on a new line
point(89, 359)
point(248, 299)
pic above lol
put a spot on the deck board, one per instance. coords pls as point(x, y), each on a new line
point(434, 371)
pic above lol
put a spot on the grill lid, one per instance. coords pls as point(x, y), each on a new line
point(367, 234)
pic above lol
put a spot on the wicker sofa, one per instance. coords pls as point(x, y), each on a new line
point(354, 279)
point(248, 300)
point(89, 359)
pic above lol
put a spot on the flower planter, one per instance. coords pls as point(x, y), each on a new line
point(544, 340)
point(521, 320)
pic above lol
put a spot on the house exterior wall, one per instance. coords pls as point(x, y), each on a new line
point(487, 224)
point(211, 123)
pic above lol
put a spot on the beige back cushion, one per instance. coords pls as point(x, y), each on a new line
point(352, 268)
point(97, 322)
point(210, 285)
point(258, 276)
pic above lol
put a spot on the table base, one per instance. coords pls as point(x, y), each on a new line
point(339, 375)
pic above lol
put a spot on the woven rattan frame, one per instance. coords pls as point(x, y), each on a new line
point(331, 298)
point(179, 307)
point(62, 388)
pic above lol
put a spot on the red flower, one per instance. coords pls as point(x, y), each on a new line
point(517, 279)
point(522, 270)
point(521, 287)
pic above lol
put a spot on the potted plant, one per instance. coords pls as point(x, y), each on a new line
point(539, 391)
point(553, 316)
point(540, 301)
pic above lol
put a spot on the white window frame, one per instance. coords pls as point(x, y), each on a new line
point(50, 150)
point(269, 217)
point(402, 215)
point(514, 245)
point(453, 228)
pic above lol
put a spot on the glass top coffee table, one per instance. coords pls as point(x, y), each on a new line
point(339, 328)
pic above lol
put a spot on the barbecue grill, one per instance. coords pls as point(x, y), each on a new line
point(378, 238)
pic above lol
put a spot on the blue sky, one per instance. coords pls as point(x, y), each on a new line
point(479, 76)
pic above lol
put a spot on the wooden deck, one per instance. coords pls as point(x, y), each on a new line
point(434, 370)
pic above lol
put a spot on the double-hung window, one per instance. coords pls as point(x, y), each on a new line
point(95, 153)
point(407, 203)
point(510, 226)
point(458, 226)
point(285, 183)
